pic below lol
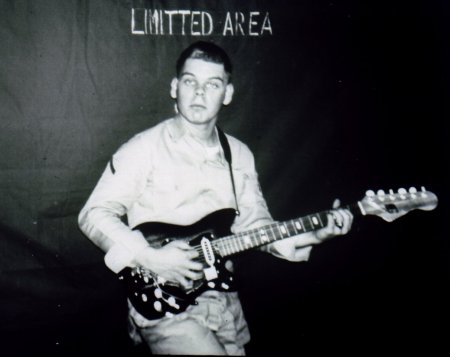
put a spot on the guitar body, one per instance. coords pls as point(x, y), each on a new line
point(155, 298)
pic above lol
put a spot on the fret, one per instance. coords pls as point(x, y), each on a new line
point(258, 236)
point(220, 244)
point(290, 225)
point(254, 239)
point(263, 235)
point(319, 216)
point(298, 226)
point(236, 245)
point(283, 229)
point(230, 245)
point(224, 246)
point(239, 243)
point(273, 235)
point(315, 222)
point(251, 236)
point(307, 223)
point(268, 233)
point(324, 218)
point(242, 239)
point(247, 241)
point(233, 245)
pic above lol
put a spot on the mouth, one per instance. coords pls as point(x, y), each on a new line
point(197, 107)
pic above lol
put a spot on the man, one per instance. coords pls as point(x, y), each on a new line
point(176, 172)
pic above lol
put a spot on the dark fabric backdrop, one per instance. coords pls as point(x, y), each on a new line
point(341, 97)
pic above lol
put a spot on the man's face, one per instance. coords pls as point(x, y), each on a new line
point(201, 90)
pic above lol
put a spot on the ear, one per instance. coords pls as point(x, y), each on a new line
point(173, 88)
point(229, 91)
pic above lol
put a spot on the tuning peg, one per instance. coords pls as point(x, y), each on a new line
point(423, 193)
point(370, 193)
point(413, 191)
point(391, 194)
point(381, 194)
point(402, 192)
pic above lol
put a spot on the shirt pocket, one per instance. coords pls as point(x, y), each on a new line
point(164, 181)
point(242, 182)
point(248, 189)
point(172, 189)
point(159, 190)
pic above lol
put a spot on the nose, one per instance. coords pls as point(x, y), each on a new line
point(199, 90)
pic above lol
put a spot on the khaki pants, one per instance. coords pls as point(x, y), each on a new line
point(216, 326)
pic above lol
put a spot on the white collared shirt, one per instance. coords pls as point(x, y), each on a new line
point(165, 175)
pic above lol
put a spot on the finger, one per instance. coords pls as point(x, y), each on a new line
point(193, 275)
point(348, 219)
point(338, 219)
point(193, 266)
point(185, 283)
point(336, 203)
point(331, 222)
point(192, 254)
point(181, 244)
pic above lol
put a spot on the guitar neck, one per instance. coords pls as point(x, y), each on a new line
point(257, 237)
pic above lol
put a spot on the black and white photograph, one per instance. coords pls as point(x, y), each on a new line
point(235, 177)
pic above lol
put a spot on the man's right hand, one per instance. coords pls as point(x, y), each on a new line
point(173, 262)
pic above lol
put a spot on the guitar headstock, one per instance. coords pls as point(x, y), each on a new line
point(390, 205)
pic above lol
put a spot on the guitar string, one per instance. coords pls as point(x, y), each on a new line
point(234, 243)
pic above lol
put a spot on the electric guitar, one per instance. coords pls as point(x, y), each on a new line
point(154, 297)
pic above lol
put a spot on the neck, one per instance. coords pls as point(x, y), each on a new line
point(204, 132)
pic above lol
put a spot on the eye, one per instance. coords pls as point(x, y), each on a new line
point(189, 82)
point(213, 85)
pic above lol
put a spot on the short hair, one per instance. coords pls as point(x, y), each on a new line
point(208, 52)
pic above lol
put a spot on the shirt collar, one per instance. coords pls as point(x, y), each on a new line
point(177, 130)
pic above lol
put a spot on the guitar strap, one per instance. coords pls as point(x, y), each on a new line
point(227, 152)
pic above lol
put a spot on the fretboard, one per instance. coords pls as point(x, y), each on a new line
point(254, 238)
